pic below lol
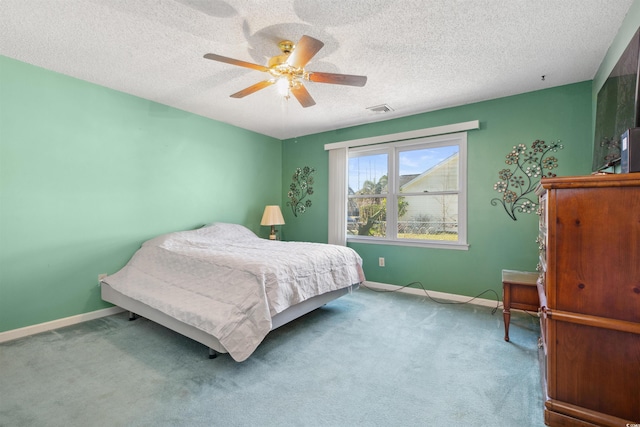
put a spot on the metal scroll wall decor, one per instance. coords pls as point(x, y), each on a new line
point(301, 187)
point(519, 180)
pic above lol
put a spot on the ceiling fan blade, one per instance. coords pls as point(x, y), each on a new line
point(303, 96)
point(232, 61)
point(306, 48)
point(251, 89)
point(337, 79)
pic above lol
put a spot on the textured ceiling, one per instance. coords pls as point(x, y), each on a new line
point(419, 55)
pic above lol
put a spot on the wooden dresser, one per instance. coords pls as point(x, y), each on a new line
point(589, 290)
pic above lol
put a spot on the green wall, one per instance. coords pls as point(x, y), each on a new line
point(88, 173)
point(496, 241)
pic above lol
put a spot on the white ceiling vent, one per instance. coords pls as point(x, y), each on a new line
point(384, 108)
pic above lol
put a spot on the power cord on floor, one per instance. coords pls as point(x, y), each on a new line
point(435, 300)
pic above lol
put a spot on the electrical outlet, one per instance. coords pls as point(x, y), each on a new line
point(381, 261)
point(101, 276)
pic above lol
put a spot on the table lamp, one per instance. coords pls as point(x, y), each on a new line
point(272, 216)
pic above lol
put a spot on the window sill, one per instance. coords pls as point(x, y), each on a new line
point(414, 243)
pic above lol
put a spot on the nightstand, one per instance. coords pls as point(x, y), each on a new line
point(519, 291)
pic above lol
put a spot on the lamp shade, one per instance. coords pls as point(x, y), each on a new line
point(272, 216)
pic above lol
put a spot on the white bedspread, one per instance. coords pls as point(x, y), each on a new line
point(228, 282)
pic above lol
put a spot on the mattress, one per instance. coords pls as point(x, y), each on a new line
point(228, 282)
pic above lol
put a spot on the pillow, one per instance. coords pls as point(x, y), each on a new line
point(226, 231)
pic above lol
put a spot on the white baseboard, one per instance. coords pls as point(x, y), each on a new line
point(59, 323)
point(72, 320)
point(433, 294)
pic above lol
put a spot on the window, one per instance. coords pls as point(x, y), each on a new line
point(409, 192)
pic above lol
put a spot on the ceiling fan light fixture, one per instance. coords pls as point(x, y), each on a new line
point(287, 71)
point(282, 85)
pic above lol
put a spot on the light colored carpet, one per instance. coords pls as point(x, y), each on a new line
point(367, 359)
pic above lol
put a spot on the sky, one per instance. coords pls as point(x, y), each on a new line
point(372, 167)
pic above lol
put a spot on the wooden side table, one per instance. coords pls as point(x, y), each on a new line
point(519, 291)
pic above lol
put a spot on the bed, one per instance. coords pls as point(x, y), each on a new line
point(225, 287)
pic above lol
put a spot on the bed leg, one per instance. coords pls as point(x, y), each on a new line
point(212, 353)
point(132, 316)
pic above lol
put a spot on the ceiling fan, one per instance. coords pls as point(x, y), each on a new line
point(287, 71)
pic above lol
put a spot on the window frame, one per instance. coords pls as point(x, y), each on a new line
point(393, 150)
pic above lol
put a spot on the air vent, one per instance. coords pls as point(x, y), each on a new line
point(384, 108)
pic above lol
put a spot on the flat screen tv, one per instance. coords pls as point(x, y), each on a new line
point(617, 107)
